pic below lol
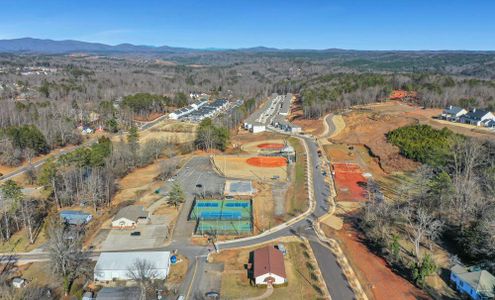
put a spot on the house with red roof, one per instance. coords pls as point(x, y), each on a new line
point(269, 266)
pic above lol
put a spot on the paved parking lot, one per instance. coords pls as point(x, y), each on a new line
point(198, 178)
point(151, 236)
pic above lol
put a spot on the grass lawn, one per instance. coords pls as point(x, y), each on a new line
point(19, 242)
point(302, 283)
point(178, 271)
point(297, 196)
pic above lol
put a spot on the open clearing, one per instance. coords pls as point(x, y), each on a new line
point(367, 125)
point(298, 266)
point(350, 182)
point(234, 166)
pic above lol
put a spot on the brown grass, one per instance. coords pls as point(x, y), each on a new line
point(235, 284)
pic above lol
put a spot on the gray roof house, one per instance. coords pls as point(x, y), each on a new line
point(476, 116)
point(475, 283)
point(452, 113)
point(130, 216)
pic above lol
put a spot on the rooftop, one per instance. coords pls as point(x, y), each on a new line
point(269, 260)
point(124, 260)
point(132, 212)
point(482, 281)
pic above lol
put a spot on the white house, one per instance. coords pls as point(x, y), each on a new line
point(121, 265)
point(476, 117)
point(269, 267)
point(452, 113)
point(130, 216)
point(257, 127)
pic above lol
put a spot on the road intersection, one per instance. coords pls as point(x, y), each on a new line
point(302, 226)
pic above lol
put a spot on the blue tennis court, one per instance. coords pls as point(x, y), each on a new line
point(222, 216)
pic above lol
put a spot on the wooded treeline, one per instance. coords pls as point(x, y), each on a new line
point(449, 200)
point(343, 90)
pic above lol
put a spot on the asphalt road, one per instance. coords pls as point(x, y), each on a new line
point(331, 271)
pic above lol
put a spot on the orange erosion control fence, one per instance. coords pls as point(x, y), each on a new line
point(271, 146)
point(351, 184)
point(267, 161)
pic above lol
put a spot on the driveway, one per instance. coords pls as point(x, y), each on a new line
point(152, 236)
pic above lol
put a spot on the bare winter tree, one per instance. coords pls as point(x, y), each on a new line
point(167, 168)
point(420, 226)
point(144, 273)
point(68, 260)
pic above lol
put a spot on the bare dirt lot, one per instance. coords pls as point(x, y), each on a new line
point(367, 125)
point(378, 280)
point(314, 127)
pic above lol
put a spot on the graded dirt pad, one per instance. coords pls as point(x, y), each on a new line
point(368, 124)
point(234, 166)
point(369, 129)
point(350, 182)
point(310, 126)
point(271, 146)
point(267, 161)
point(378, 280)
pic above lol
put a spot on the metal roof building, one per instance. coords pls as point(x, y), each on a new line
point(75, 217)
point(117, 265)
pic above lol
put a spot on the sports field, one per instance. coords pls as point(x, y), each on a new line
point(350, 182)
point(222, 216)
point(261, 167)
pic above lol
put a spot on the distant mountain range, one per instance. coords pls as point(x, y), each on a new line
point(32, 45)
point(47, 46)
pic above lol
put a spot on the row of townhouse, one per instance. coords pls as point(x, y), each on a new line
point(199, 110)
point(477, 117)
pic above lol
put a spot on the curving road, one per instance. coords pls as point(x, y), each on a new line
point(332, 274)
point(336, 283)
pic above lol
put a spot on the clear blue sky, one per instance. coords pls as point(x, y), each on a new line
point(350, 24)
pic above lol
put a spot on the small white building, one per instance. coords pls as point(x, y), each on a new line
point(258, 127)
point(120, 265)
point(269, 267)
point(19, 282)
point(130, 216)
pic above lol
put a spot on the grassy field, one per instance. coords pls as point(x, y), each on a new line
point(297, 196)
point(302, 281)
point(19, 242)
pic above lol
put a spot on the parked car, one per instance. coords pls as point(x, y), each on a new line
point(136, 233)
point(199, 185)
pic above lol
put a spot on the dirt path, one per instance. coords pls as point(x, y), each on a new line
point(266, 294)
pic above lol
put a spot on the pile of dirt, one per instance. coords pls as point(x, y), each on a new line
point(369, 129)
